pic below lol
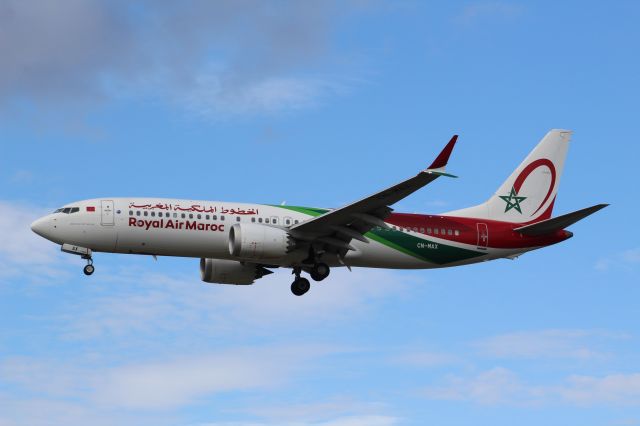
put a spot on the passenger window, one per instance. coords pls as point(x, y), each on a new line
point(199, 216)
point(266, 220)
point(253, 219)
point(259, 220)
point(449, 232)
point(130, 212)
point(175, 215)
point(214, 217)
point(207, 217)
point(275, 220)
point(435, 231)
point(457, 232)
point(238, 218)
point(221, 217)
point(146, 213)
point(153, 214)
point(287, 222)
point(442, 231)
point(422, 230)
point(415, 229)
point(428, 230)
point(296, 221)
point(190, 215)
point(184, 215)
point(138, 213)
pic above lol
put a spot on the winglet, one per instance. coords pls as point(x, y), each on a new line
point(442, 158)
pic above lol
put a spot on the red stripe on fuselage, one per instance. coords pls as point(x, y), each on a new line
point(501, 234)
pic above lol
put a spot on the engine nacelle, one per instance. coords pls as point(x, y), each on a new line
point(218, 271)
point(253, 241)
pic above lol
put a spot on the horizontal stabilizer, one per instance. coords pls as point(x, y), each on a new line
point(557, 223)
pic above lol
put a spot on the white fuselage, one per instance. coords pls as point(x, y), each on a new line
point(200, 229)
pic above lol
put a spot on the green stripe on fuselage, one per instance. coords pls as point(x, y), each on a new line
point(420, 248)
point(311, 211)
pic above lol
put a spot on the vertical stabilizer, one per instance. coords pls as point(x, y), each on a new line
point(529, 193)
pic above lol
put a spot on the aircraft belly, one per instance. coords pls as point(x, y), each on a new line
point(377, 255)
point(395, 249)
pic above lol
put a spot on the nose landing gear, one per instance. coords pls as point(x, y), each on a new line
point(89, 269)
point(84, 253)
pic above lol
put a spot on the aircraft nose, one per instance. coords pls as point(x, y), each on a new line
point(41, 227)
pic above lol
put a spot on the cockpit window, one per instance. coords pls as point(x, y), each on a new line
point(68, 210)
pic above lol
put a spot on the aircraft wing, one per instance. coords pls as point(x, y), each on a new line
point(335, 229)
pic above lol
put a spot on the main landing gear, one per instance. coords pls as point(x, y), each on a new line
point(318, 272)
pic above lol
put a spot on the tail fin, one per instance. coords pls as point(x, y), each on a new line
point(529, 193)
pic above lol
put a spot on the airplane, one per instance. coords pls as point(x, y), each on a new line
point(238, 243)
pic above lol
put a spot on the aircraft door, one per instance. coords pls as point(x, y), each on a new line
point(483, 236)
point(107, 212)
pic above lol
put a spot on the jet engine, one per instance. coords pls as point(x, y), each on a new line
point(253, 241)
point(218, 271)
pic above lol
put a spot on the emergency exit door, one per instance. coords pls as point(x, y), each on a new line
point(483, 236)
point(107, 212)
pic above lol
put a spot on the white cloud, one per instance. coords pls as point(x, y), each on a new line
point(209, 97)
point(140, 301)
point(358, 420)
point(320, 412)
point(427, 359)
point(92, 50)
point(183, 381)
point(552, 343)
point(500, 386)
point(163, 384)
point(22, 177)
point(627, 260)
point(491, 387)
point(617, 389)
point(23, 253)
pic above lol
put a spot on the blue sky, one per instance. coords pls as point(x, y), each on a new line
point(317, 104)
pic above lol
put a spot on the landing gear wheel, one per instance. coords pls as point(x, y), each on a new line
point(320, 271)
point(300, 286)
point(89, 269)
